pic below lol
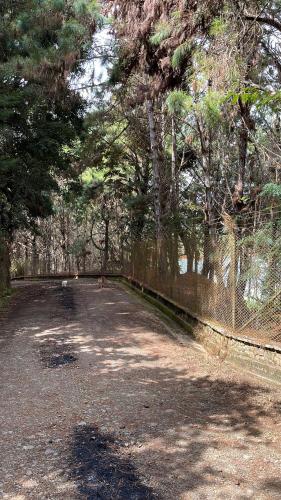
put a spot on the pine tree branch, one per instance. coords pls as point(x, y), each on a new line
point(269, 21)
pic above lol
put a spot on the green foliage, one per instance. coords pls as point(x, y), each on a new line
point(40, 116)
point(210, 106)
point(179, 101)
point(272, 191)
point(254, 96)
point(218, 27)
point(180, 54)
point(176, 15)
point(71, 30)
point(162, 32)
point(247, 96)
point(57, 5)
point(93, 175)
point(42, 37)
point(265, 240)
point(84, 8)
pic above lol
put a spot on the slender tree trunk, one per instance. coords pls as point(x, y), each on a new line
point(173, 202)
point(49, 256)
point(175, 171)
point(34, 256)
point(84, 261)
point(106, 246)
point(209, 226)
point(156, 168)
point(141, 182)
point(185, 239)
point(243, 139)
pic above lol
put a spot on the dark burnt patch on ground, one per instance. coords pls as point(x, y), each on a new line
point(99, 469)
point(54, 354)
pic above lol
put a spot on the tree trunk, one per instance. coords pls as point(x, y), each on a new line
point(106, 246)
point(209, 228)
point(243, 138)
point(206, 137)
point(141, 185)
point(156, 168)
point(34, 257)
point(4, 265)
point(175, 172)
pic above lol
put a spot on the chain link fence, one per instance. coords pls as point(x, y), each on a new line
point(230, 281)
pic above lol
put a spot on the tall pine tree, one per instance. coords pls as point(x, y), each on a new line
point(42, 45)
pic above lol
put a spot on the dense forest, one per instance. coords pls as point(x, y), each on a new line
point(176, 147)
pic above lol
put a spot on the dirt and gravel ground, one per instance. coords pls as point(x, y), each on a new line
point(101, 398)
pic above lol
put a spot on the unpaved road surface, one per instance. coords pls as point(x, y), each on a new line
point(99, 400)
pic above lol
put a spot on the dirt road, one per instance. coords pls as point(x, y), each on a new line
point(99, 400)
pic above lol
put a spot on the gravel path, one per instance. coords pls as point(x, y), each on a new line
point(101, 398)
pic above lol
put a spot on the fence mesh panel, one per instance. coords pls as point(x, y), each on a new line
point(224, 280)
